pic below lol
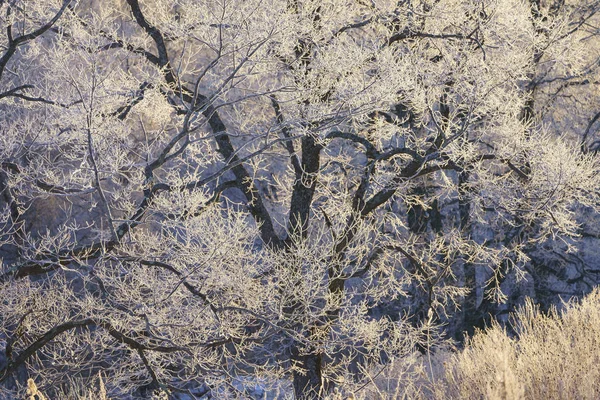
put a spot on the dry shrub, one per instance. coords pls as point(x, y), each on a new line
point(404, 378)
point(553, 356)
point(33, 392)
point(79, 389)
point(407, 378)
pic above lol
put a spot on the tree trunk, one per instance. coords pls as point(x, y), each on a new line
point(308, 384)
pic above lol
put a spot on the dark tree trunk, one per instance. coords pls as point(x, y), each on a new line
point(417, 215)
point(470, 314)
point(304, 188)
point(309, 384)
point(9, 252)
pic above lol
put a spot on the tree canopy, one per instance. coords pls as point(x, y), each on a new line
point(193, 193)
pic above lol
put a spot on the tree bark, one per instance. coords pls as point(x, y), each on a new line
point(308, 383)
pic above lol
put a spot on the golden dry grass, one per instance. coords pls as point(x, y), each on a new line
point(554, 356)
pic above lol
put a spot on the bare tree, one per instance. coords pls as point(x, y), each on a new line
point(195, 193)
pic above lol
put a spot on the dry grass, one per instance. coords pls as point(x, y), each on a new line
point(32, 391)
point(77, 391)
point(555, 356)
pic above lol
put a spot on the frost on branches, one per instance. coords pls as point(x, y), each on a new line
point(193, 193)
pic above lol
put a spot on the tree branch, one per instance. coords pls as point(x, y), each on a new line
point(14, 43)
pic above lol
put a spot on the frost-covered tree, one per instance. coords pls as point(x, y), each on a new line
point(197, 193)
